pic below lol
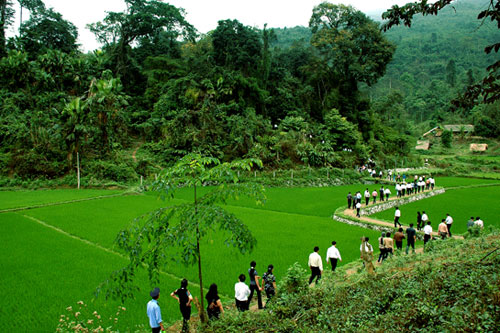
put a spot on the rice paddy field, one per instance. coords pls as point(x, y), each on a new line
point(56, 255)
point(461, 204)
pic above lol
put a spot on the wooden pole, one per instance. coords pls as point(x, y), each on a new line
point(141, 180)
point(78, 169)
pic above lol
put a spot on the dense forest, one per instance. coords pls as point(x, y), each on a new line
point(334, 94)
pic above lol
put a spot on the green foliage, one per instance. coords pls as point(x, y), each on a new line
point(446, 139)
point(460, 274)
point(47, 30)
point(175, 232)
point(236, 47)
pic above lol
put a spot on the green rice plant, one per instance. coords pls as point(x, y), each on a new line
point(461, 204)
point(282, 238)
point(45, 271)
point(18, 199)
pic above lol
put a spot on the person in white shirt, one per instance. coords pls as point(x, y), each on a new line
point(316, 265)
point(427, 232)
point(241, 293)
point(358, 207)
point(432, 181)
point(358, 197)
point(425, 218)
point(397, 215)
point(367, 196)
point(333, 255)
point(478, 222)
point(449, 222)
point(398, 190)
point(367, 254)
point(387, 193)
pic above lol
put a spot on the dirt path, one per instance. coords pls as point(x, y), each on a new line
point(134, 153)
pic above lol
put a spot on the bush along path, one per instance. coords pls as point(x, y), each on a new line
point(451, 287)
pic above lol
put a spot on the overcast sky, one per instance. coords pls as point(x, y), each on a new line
point(204, 14)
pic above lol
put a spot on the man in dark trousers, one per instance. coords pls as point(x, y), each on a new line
point(411, 237)
point(254, 284)
point(316, 265)
point(333, 255)
point(397, 216)
point(381, 193)
point(349, 200)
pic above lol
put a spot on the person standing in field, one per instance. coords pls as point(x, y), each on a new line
point(254, 284)
point(333, 255)
point(358, 197)
point(449, 223)
point(398, 238)
point(374, 196)
point(241, 292)
point(358, 207)
point(427, 233)
point(214, 307)
point(316, 265)
point(432, 181)
point(411, 237)
point(381, 247)
point(397, 216)
point(442, 229)
point(381, 193)
point(269, 283)
point(367, 197)
point(398, 190)
point(349, 200)
point(154, 312)
point(387, 193)
point(183, 296)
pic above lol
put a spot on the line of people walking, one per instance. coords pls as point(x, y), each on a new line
point(420, 184)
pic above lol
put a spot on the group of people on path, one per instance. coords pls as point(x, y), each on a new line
point(403, 189)
point(354, 201)
point(419, 184)
point(243, 297)
point(244, 294)
point(315, 262)
point(386, 242)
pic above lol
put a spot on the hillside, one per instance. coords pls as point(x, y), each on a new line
point(434, 61)
point(452, 287)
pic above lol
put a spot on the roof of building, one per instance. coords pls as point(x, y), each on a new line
point(422, 145)
point(478, 147)
point(459, 128)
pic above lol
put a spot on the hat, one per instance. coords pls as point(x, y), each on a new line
point(155, 292)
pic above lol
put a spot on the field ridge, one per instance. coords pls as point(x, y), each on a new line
point(100, 247)
point(57, 203)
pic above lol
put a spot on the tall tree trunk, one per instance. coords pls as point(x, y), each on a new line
point(3, 17)
point(200, 275)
